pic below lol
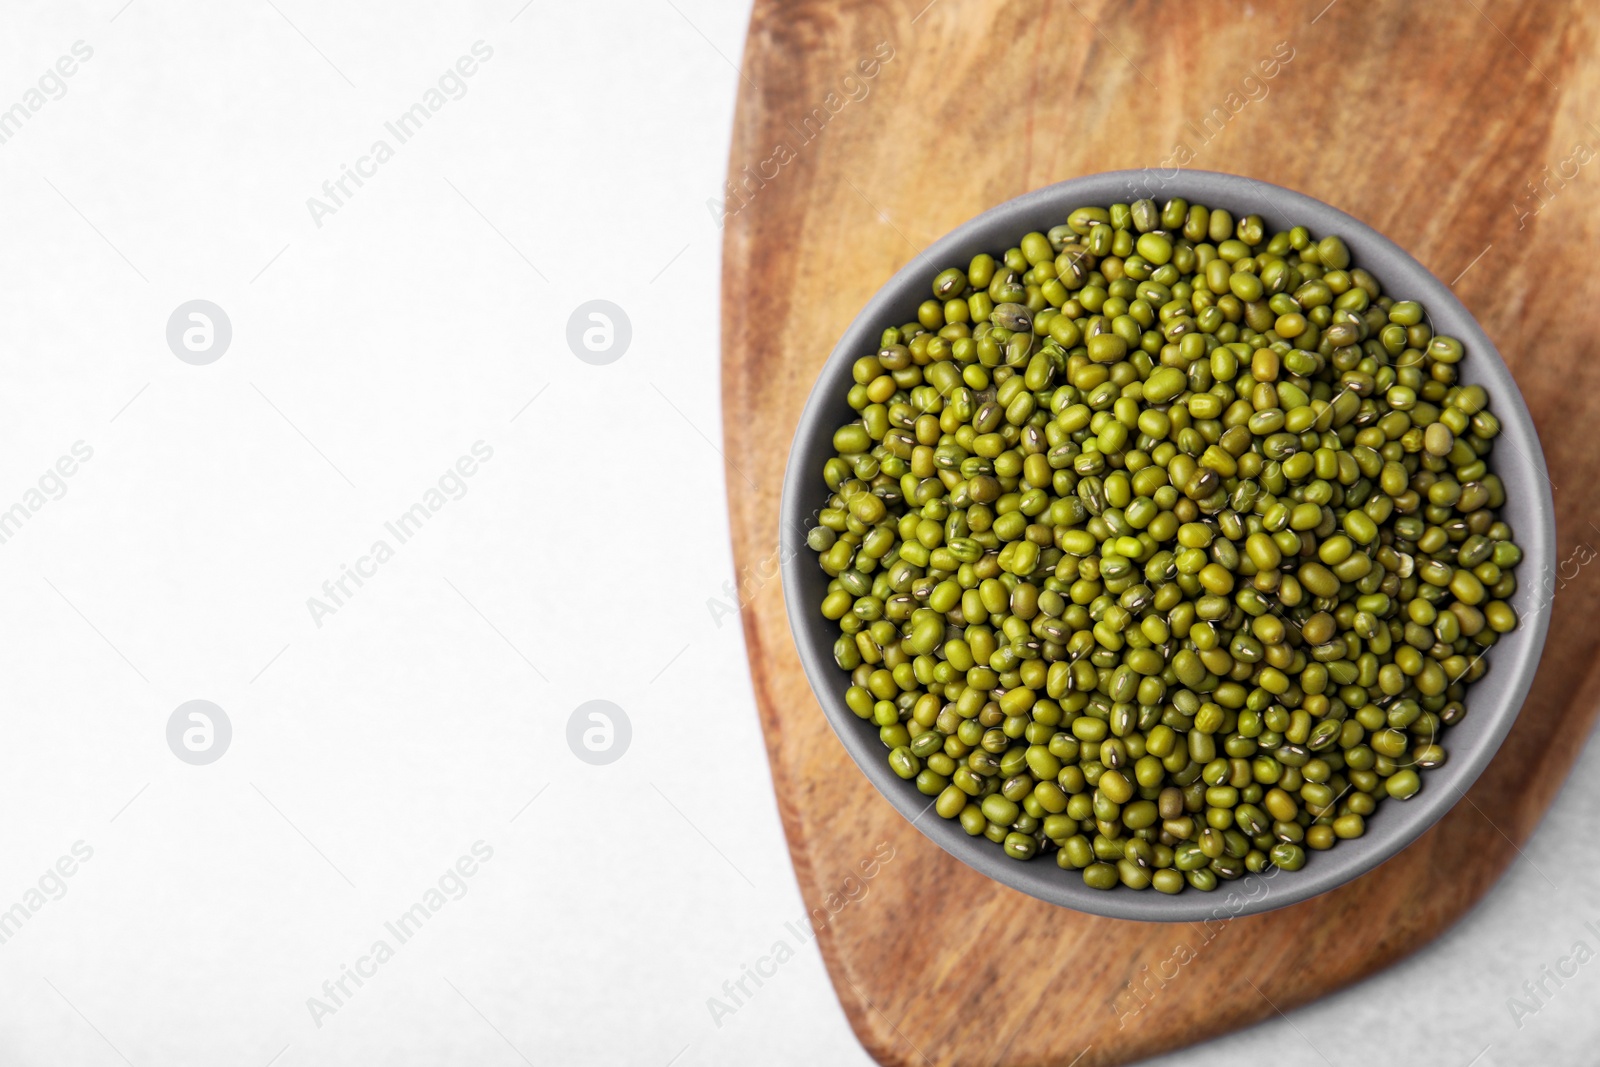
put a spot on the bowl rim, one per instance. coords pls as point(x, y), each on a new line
point(1518, 459)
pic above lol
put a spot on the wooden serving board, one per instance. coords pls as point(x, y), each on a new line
point(1427, 121)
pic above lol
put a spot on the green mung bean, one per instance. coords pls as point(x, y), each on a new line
point(1164, 543)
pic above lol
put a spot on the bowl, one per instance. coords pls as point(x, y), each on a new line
point(1493, 701)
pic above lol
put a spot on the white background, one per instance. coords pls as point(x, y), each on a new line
point(372, 752)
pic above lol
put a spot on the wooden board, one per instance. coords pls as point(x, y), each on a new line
point(1427, 121)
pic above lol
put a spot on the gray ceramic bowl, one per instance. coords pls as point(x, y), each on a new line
point(1493, 702)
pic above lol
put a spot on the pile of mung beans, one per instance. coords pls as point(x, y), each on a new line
point(1164, 544)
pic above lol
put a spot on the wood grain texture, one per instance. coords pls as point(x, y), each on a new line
point(1427, 121)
